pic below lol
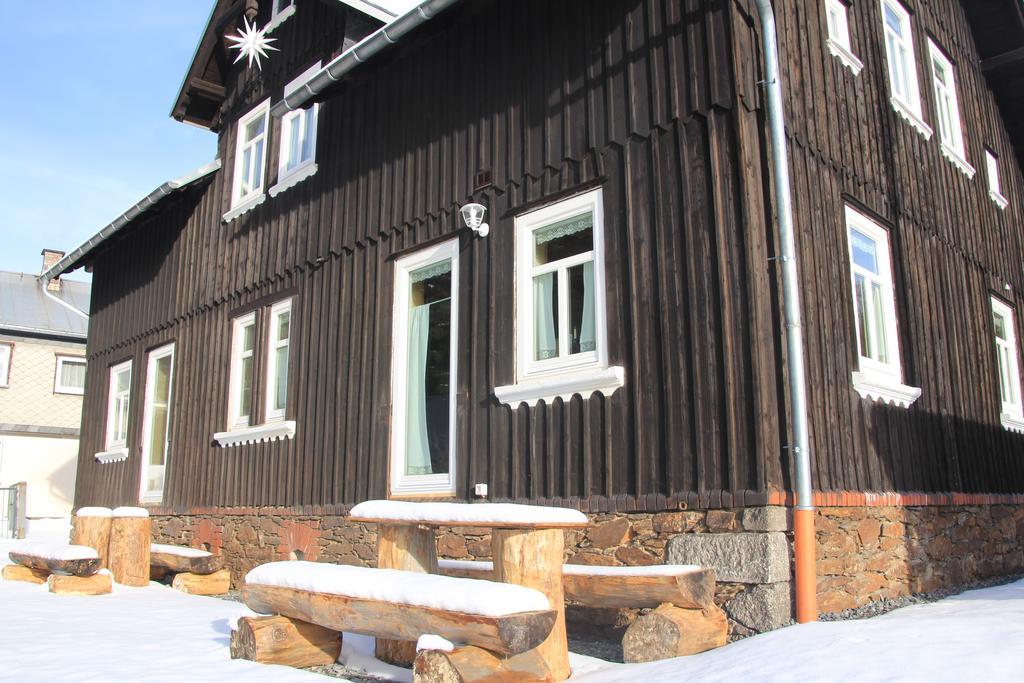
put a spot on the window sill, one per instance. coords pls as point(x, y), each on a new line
point(244, 206)
point(293, 178)
point(1014, 423)
point(844, 55)
point(957, 159)
point(115, 455)
point(280, 18)
point(911, 117)
point(285, 429)
point(1001, 201)
point(69, 392)
point(878, 387)
point(547, 389)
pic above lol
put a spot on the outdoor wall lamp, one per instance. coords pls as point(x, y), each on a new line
point(473, 215)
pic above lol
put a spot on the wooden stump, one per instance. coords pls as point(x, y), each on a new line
point(475, 665)
point(533, 558)
point(97, 584)
point(217, 583)
point(671, 631)
point(413, 549)
point(16, 572)
point(129, 550)
point(280, 640)
point(93, 530)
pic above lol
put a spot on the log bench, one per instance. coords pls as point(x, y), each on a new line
point(194, 571)
point(503, 619)
point(685, 620)
point(66, 569)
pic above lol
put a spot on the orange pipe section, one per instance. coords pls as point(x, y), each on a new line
point(805, 552)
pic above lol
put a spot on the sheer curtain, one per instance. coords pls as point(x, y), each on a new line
point(544, 316)
point(417, 450)
point(587, 342)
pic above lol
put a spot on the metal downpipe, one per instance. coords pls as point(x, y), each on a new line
point(803, 513)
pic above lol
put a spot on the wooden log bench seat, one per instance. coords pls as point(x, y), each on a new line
point(685, 621)
point(66, 569)
point(194, 571)
point(501, 618)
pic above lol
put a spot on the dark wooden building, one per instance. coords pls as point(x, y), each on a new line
point(615, 342)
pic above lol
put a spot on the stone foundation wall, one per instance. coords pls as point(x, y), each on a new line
point(864, 553)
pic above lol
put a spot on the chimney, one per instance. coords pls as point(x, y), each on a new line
point(50, 257)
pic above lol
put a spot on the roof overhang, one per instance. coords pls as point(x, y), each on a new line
point(72, 260)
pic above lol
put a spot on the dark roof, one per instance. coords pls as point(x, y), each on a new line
point(998, 28)
point(24, 308)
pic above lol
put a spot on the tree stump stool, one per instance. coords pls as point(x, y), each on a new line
point(130, 546)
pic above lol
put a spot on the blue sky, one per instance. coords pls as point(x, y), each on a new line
point(85, 130)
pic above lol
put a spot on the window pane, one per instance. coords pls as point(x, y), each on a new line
point(282, 325)
point(248, 337)
point(257, 171)
point(863, 319)
point(72, 374)
point(581, 308)
point(1000, 324)
point(281, 381)
point(245, 399)
point(545, 316)
point(892, 20)
point(122, 380)
point(294, 132)
point(865, 251)
point(881, 334)
point(255, 128)
point(308, 128)
point(563, 239)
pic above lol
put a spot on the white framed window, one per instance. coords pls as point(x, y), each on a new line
point(424, 368)
point(1005, 331)
point(277, 359)
point(995, 190)
point(279, 11)
point(902, 65)
point(561, 330)
point(6, 352)
point(250, 160)
point(243, 360)
point(839, 35)
point(118, 405)
point(297, 158)
point(156, 422)
point(70, 375)
point(880, 374)
point(947, 107)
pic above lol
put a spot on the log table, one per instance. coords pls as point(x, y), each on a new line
point(527, 544)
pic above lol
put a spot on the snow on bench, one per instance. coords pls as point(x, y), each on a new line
point(502, 515)
point(597, 586)
point(402, 605)
point(178, 559)
point(57, 558)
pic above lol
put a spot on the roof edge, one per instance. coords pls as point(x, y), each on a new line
point(127, 217)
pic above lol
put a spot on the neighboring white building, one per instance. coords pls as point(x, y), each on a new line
point(42, 378)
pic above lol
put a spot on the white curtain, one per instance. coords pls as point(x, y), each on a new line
point(417, 450)
point(544, 316)
point(587, 324)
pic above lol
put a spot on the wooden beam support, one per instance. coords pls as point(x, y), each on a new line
point(671, 631)
point(97, 584)
point(16, 572)
point(474, 665)
point(289, 642)
point(217, 583)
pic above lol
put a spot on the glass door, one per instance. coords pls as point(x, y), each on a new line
point(157, 419)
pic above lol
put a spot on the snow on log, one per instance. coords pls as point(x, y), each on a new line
point(216, 583)
point(504, 515)
point(16, 572)
point(671, 631)
point(615, 587)
point(97, 584)
point(129, 547)
point(178, 559)
point(280, 640)
point(75, 560)
point(475, 665)
point(92, 529)
point(402, 605)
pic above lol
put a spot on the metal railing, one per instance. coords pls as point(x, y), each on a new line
point(12, 511)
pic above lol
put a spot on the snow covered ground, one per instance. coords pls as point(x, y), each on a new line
point(158, 634)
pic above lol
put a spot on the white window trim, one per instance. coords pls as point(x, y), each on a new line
point(582, 373)
point(5, 378)
point(840, 49)
point(59, 388)
point(875, 380)
point(994, 184)
point(235, 421)
point(276, 310)
point(953, 149)
point(112, 445)
point(145, 495)
point(400, 482)
point(308, 168)
point(909, 109)
point(1010, 415)
point(278, 16)
point(239, 204)
point(272, 431)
